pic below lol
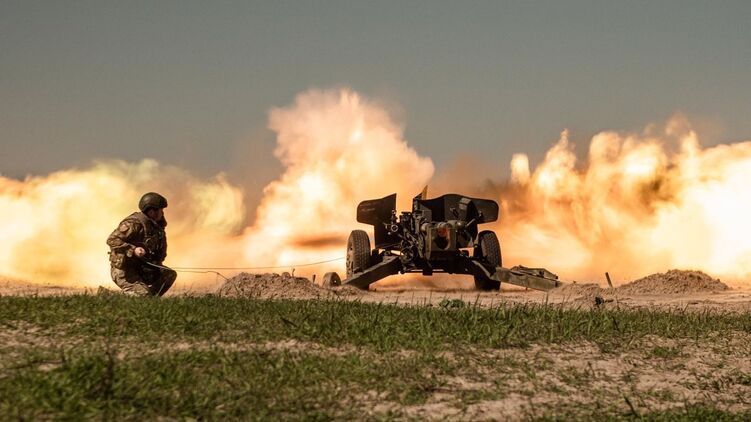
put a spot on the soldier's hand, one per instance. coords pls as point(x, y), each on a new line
point(139, 252)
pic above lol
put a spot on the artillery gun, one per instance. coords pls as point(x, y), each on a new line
point(439, 235)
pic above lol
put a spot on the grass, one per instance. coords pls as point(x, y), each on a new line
point(116, 357)
point(212, 383)
point(665, 352)
point(332, 323)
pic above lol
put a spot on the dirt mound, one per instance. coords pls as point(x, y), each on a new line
point(674, 282)
point(271, 286)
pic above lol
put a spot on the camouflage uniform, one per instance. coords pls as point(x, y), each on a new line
point(133, 274)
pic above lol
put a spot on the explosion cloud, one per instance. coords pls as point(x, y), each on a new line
point(338, 149)
point(53, 225)
point(640, 203)
point(336, 146)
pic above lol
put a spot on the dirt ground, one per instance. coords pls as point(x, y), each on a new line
point(659, 374)
point(656, 374)
point(675, 289)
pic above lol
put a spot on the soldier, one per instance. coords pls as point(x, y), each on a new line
point(138, 241)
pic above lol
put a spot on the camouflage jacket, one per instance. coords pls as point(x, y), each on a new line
point(137, 230)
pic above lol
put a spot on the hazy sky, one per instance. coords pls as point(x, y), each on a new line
point(190, 82)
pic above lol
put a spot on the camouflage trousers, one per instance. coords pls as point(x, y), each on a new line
point(144, 281)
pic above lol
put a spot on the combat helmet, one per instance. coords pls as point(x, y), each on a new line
point(152, 200)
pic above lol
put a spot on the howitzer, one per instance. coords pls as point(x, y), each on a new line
point(438, 235)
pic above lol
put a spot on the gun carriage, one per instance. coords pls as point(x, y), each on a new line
point(439, 235)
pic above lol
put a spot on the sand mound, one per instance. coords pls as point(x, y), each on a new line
point(281, 286)
point(674, 282)
point(271, 286)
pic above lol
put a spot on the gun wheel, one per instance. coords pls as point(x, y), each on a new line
point(489, 251)
point(330, 280)
point(358, 252)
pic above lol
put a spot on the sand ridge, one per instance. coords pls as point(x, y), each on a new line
point(280, 286)
point(674, 282)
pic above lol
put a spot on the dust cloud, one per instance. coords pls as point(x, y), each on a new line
point(336, 147)
point(638, 204)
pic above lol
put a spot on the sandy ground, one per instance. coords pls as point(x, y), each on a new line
point(672, 290)
point(732, 300)
point(654, 374)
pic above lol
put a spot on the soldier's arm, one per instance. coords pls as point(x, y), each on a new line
point(121, 238)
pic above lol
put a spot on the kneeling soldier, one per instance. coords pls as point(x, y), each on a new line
point(136, 243)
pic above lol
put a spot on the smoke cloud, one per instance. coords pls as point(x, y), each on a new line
point(639, 203)
point(337, 149)
point(54, 227)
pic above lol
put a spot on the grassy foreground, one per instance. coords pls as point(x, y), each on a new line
point(115, 357)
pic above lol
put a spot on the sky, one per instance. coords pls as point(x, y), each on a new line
point(191, 83)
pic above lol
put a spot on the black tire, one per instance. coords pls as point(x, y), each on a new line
point(330, 280)
point(358, 252)
point(488, 250)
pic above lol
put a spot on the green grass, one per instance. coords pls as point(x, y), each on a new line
point(212, 383)
point(382, 327)
point(116, 357)
point(665, 352)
